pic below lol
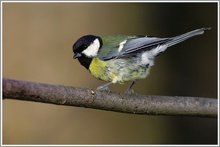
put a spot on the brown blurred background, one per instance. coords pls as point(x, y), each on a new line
point(37, 47)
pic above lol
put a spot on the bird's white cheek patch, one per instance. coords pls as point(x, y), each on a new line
point(121, 45)
point(93, 49)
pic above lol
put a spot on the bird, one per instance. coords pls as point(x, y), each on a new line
point(122, 58)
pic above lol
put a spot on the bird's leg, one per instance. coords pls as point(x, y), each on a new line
point(129, 90)
point(104, 87)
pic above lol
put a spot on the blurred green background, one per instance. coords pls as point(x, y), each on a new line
point(37, 47)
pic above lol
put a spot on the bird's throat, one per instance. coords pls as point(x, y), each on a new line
point(85, 61)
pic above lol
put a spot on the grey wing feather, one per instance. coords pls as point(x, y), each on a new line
point(147, 43)
point(133, 46)
point(139, 44)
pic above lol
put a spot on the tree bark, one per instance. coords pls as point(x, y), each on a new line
point(88, 98)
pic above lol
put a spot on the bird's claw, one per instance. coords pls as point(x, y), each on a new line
point(129, 91)
point(103, 88)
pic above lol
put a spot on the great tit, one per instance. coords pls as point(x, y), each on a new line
point(121, 58)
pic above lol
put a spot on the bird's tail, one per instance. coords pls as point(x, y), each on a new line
point(183, 37)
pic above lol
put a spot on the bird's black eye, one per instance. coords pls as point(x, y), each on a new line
point(80, 48)
point(85, 46)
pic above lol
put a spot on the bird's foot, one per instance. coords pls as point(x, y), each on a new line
point(103, 88)
point(130, 91)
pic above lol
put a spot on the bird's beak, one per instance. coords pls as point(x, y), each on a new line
point(77, 55)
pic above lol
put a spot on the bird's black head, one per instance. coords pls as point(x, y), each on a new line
point(85, 48)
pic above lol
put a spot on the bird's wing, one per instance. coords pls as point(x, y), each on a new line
point(128, 46)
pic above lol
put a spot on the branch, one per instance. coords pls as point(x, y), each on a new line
point(88, 98)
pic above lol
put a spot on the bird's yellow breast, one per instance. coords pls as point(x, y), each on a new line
point(98, 69)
